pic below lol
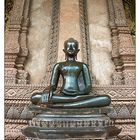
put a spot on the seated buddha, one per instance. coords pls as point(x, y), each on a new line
point(76, 86)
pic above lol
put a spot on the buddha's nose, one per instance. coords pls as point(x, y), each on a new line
point(70, 47)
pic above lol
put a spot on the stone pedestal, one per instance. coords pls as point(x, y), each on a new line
point(87, 123)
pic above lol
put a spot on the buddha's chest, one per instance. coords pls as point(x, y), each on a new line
point(70, 70)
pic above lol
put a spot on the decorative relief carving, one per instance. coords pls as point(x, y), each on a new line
point(123, 110)
point(17, 100)
point(13, 131)
point(84, 32)
point(123, 53)
point(22, 91)
point(117, 92)
point(10, 75)
point(71, 123)
point(15, 134)
point(126, 42)
point(117, 75)
point(115, 49)
point(129, 77)
point(12, 47)
point(22, 75)
point(117, 78)
point(111, 13)
point(18, 96)
point(53, 40)
point(17, 109)
point(120, 19)
point(127, 129)
point(17, 10)
point(128, 51)
point(126, 137)
point(12, 44)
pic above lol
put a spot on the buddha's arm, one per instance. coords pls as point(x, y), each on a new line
point(87, 80)
point(54, 78)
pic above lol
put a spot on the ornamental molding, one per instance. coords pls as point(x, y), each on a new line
point(24, 91)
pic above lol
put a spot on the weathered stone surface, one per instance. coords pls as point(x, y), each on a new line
point(38, 39)
point(69, 25)
point(100, 41)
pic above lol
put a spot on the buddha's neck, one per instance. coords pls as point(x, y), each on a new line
point(71, 59)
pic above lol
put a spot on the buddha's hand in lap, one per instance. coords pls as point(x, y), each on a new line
point(46, 97)
point(50, 95)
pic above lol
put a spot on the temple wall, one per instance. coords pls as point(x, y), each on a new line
point(69, 25)
point(100, 41)
point(88, 22)
point(38, 38)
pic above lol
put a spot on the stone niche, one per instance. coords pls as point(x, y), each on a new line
point(69, 25)
point(100, 41)
point(38, 38)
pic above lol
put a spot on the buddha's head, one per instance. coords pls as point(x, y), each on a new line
point(71, 47)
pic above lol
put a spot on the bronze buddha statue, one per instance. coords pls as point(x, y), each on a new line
point(72, 95)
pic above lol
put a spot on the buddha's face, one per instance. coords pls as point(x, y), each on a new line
point(71, 49)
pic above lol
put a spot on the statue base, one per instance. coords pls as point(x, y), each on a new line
point(73, 124)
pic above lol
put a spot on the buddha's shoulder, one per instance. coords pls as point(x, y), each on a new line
point(59, 64)
point(83, 64)
point(65, 63)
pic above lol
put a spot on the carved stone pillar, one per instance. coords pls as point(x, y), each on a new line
point(53, 40)
point(22, 75)
point(123, 51)
point(127, 54)
point(12, 47)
